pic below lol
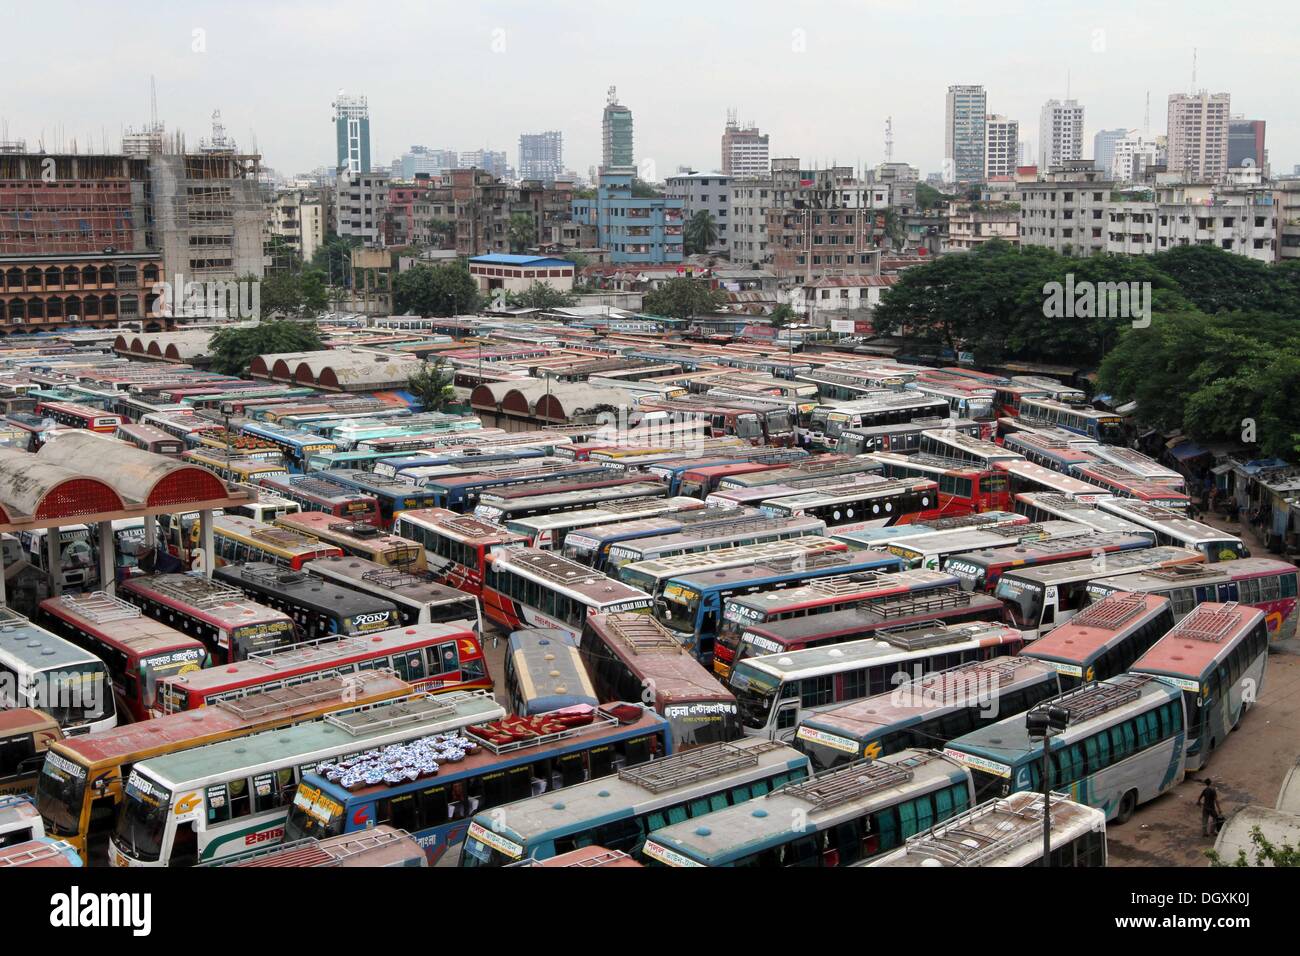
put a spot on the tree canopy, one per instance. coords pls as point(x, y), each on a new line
point(540, 295)
point(701, 232)
point(233, 348)
point(683, 298)
point(445, 289)
point(431, 384)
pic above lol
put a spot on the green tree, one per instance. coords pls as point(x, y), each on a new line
point(233, 348)
point(313, 291)
point(1265, 851)
point(432, 385)
point(927, 197)
point(540, 295)
point(895, 228)
point(644, 190)
point(522, 232)
point(782, 315)
point(701, 233)
point(446, 289)
point(683, 299)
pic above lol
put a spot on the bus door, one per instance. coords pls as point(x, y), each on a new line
point(785, 720)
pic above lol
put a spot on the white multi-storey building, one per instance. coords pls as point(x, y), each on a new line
point(1060, 134)
point(1198, 135)
point(705, 192)
point(1243, 224)
point(1001, 136)
point(1065, 209)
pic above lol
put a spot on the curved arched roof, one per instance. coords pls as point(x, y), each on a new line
point(154, 481)
point(44, 490)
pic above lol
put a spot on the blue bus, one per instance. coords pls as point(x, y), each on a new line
point(296, 445)
point(435, 786)
point(393, 465)
point(460, 492)
point(544, 672)
point(591, 546)
point(349, 460)
point(394, 495)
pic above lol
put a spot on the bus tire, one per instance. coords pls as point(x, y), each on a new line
point(1127, 806)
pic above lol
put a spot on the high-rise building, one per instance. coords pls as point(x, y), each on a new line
point(963, 133)
point(616, 130)
point(1060, 134)
point(494, 162)
point(705, 192)
point(1103, 148)
point(744, 150)
point(422, 159)
point(1000, 138)
point(1198, 134)
point(1246, 143)
point(352, 133)
point(541, 156)
point(1134, 154)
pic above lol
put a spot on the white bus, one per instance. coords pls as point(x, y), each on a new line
point(740, 533)
point(212, 802)
point(43, 671)
point(418, 600)
point(971, 451)
point(1045, 506)
point(1176, 530)
point(1140, 465)
point(549, 531)
point(78, 569)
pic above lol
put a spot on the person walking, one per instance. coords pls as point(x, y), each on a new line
point(1211, 815)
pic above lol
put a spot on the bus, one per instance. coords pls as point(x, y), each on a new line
point(1007, 398)
point(72, 415)
point(229, 625)
point(904, 437)
point(634, 656)
point(544, 672)
point(974, 402)
point(456, 546)
point(1025, 476)
point(854, 507)
point(1062, 456)
point(1106, 427)
point(220, 799)
point(234, 467)
point(1104, 639)
point(1216, 657)
point(652, 574)
point(550, 531)
point(700, 482)
point(80, 783)
point(1124, 746)
point(530, 588)
point(359, 539)
point(981, 570)
point(1009, 832)
point(757, 423)
point(1264, 583)
point(487, 766)
point(150, 439)
point(394, 495)
point(1141, 466)
point(296, 446)
point(49, 673)
point(955, 446)
point(418, 600)
point(1176, 530)
point(460, 492)
point(1047, 506)
point(381, 846)
point(139, 651)
point(938, 607)
point(318, 608)
point(819, 596)
point(78, 569)
point(314, 493)
point(25, 735)
point(591, 546)
point(453, 460)
point(925, 710)
point(45, 851)
point(509, 508)
point(963, 489)
point(812, 472)
point(237, 539)
point(929, 549)
point(584, 857)
point(777, 691)
point(620, 812)
point(828, 422)
point(1055, 390)
point(1120, 483)
point(738, 532)
point(848, 814)
point(263, 506)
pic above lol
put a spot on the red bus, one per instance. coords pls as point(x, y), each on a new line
point(1122, 483)
point(456, 546)
point(320, 494)
point(700, 482)
point(981, 570)
point(230, 625)
point(963, 489)
point(433, 657)
point(138, 650)
point(72, 415)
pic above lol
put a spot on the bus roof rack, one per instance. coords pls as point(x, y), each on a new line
point(692, 766)
point(600, 859)
point(1205, 623)
point(1112, 611)
point(258, 701)
point(640, 632)
point(952, 684)
point(602, 721)
point(553, 567)
point(387, 714)
point(1098, 697)
point(898, 605)
point(99, 607)
point(1183, 572)
point(957, 842)
point(37, 854)
point(196, 591)
point(393, 578)
point(290, 654)
point(841, 785)
point(358, 529)
point(836, 584)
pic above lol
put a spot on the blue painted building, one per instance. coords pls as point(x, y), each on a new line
point(644, 231)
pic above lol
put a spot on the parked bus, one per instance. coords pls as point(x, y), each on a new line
point(381, 846)
point(1175, 530)
point(530, 588)
point(221, 799)
point(849, 814)
point(45, 851)
point(433, 462)
point(1104, 639)
point(394, 495)
point(316, 494)
point(591, 545)
point(511, 508)
point(80, 783)
point(955, 446)
point(852, 507)
point(1036, 600)
point(139, 651)
point(973, 402)
point(929, 549)
point(1058, 455)
point(903, 438)
point(651, 575)
point(1068, 394)
point(237, 539)
point(585, 857)
point(73, 415)
point(418, 600)
point(49, 673)
point(233, 467)
point(544, 672)
point(150, 439)
point(1120, 483)
point(819, 596)
point(229, 625)
point(937, 607)
point(822, 471)
point(25, 735)
point(359, 539)
point(1009, 832)
point(963, 489)
point(828, 422)
point(1104, 427)
point(1216, 657)
point(777, 691)
point(456, 546)
point(295, 446)
point(485, 769)
point(1264, 583)
point(924, 710)
point(620, 812)
point(1141, 466)
point(1025, 476)
point(1124, 746)
point(740, 532)
point(78, 570)
point(460, 492)
point(318, 607)
point(551, 531)
point(981, 570)
point(1046, 506)
point(632, 656)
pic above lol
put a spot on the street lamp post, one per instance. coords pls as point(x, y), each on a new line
point(1040, 723)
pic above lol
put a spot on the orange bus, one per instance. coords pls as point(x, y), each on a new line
point(360, 539)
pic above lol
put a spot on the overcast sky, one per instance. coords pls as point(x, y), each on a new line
point(820, 77)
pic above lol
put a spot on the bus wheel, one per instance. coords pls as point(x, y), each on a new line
point(1127, 804)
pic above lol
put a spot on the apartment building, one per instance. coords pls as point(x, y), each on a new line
point(705, 192)
point(633, 230)
point(1060, 133)
point(297, 218)
point(1001, 136)
point(361, 203)
point(1198, 135)
point(1065, 209)
point(1245, 224)
point(826, 225)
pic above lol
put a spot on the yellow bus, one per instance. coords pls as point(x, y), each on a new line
point(234, 467)
point(360, 539)
point(236, 539)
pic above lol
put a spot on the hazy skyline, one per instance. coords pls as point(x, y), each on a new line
point(820, 77)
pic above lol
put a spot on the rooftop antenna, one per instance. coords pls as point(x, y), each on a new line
point(1193, 69)
point(153, 103)
point(1067, 85)
point(889, 139)
point(1146, 123)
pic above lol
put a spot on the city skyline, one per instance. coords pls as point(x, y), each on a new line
point(788, 71)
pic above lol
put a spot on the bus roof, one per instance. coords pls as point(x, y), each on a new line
point(464, 528)
point(1153, 516)
point(36, 647)
point(1195, 575)
point(394, 582)
point(24, 719)
point(1063, 572)
point(1058, 481)
point(1084, 541)
point(212, 601)
point(103, 613)
point(547, 662)
point(381, 845)
point(1198, 640)
point(546, 567)
point(668, 523)
point(358, 728)
point(652, 653)
point(862, 585)
point(1096, 627)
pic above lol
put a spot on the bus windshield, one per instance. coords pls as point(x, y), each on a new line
point(747, 426)
point(314, 814)
point(702, 722)
point(75, 694)
point(1024, 600)
point(153, 669)
point(142, 821)
point(755, 693)
point(60, 791)
point(677, 608)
